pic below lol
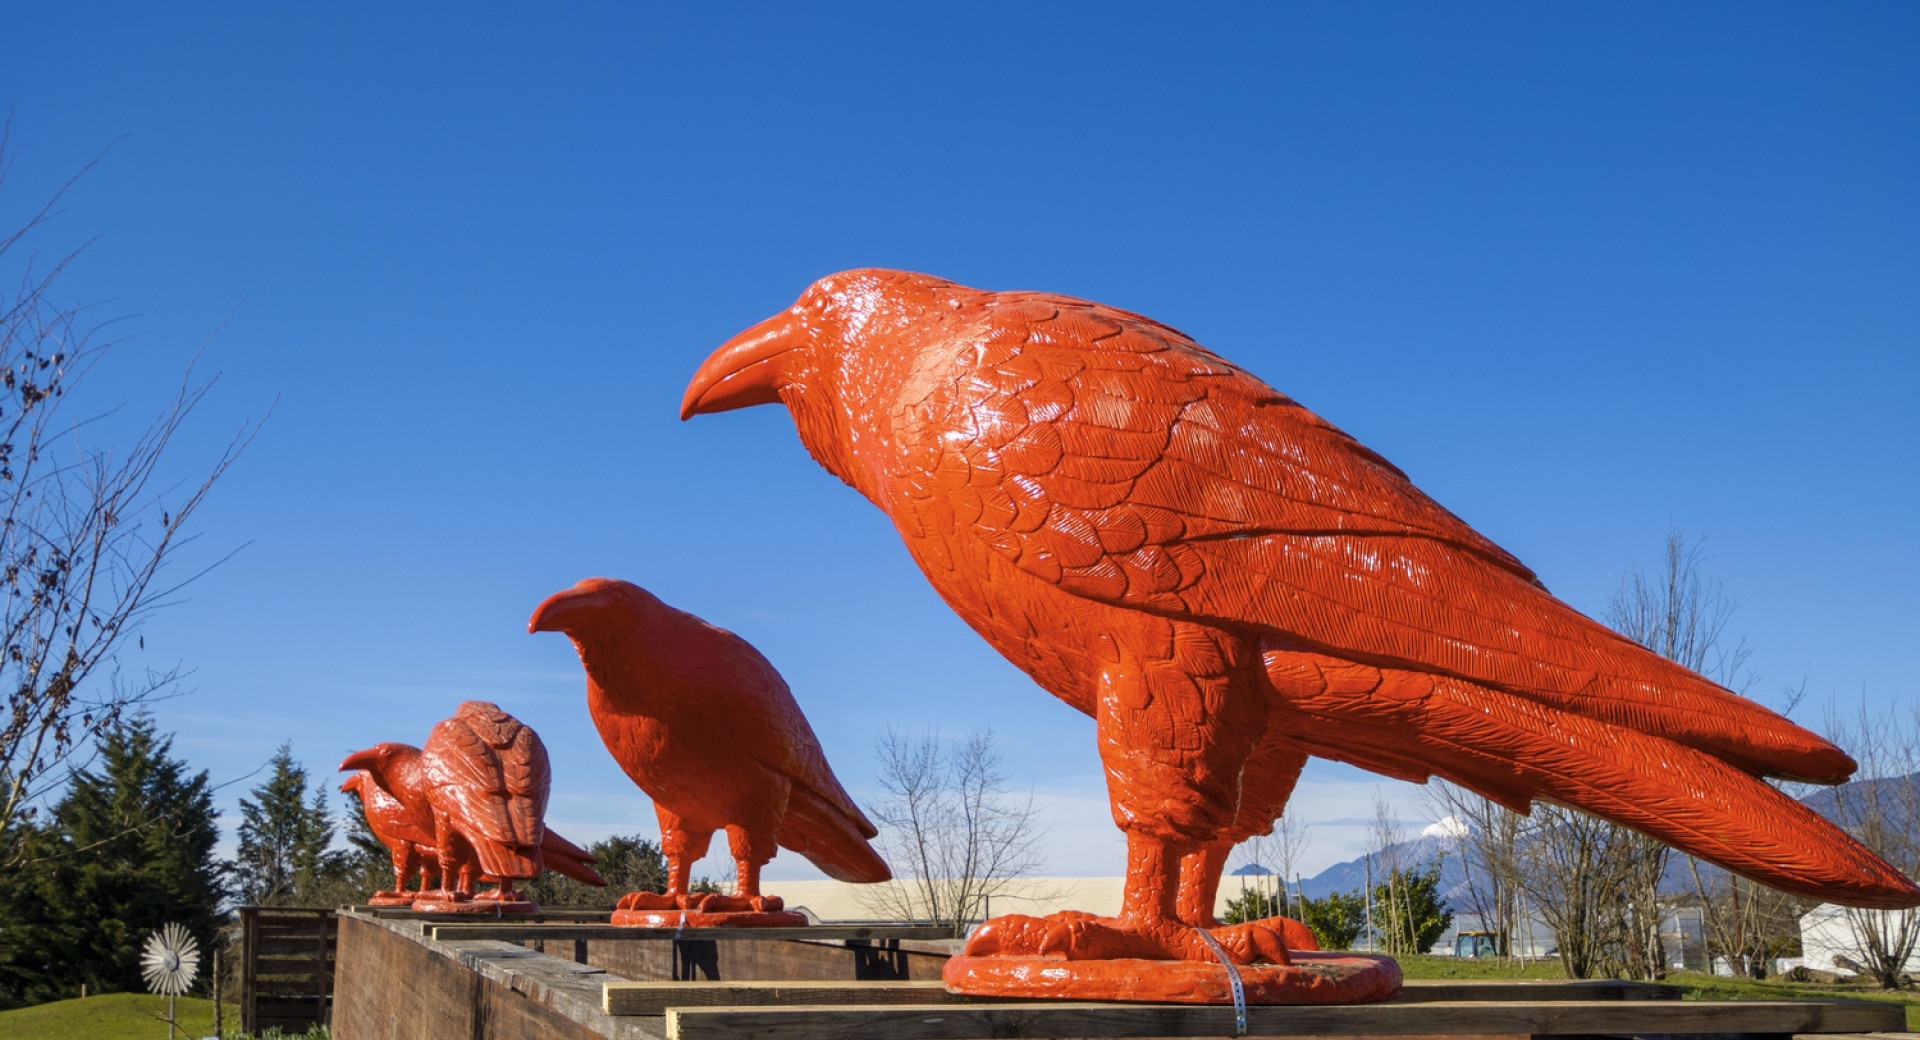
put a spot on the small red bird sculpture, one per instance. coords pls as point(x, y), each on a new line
point(486, 778)
point(706, 727)
point(392, 786)
point(410, 845)
point(1228, 584)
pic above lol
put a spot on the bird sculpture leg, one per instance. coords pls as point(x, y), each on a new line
point(681, 844)
point(1266, 783)
point(403, 862)
point(1176, 728)
point(749, 856)
point(1200, 883)
point(503, 891)
point(454, 854)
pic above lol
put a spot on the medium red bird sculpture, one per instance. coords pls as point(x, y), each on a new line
point(1229, 584)
point(392, 786)
point(706, 727)
point(486, 778)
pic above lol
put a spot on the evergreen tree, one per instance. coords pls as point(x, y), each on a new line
point(368, 864)
point(629, 863)
point(129, 848)
point(284, 857)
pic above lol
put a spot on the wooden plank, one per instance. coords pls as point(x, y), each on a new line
point(519, 932)
point(970, 1021)
point(653, 998)
point(758, 960)
point(388, 913)
point(621, 997)
point(1427, 990)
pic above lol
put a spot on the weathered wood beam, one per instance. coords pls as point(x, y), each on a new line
point(521, 932)
point(622, 997)
point(1545, 1018)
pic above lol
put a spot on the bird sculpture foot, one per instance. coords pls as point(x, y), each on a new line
point(704, 910)
point(1074, 935)
point(1078, 956)
point(700, 902)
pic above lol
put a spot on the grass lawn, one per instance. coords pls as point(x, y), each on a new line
point(112, 1016)
point(1693, 985)
point(1423, 967)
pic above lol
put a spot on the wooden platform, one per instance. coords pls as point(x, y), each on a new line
point(564, 979)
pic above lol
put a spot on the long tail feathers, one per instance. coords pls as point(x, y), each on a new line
point(568, 860)
point(1514, 750)
point(819, 831)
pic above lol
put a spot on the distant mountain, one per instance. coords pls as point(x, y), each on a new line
point(1897, 797)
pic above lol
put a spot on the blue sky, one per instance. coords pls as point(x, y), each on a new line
point(1586, 272)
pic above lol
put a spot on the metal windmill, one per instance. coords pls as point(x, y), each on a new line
point(168, 962)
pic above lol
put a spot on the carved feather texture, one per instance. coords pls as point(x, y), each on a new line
point(1092, 491)
point(488, 775)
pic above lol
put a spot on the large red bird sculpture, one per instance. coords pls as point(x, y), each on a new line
point(392, 786)
point(707, 728)
point(487, 776)
point(1229, 584)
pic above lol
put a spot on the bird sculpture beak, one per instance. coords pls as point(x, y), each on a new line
point(560, 610)
point(367, 759)
point(745, 371)
point(351, 783)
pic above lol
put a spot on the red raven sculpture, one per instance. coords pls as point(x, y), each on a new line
point(1228, 584)
point(393, 793)
point(708, 729)
point(486, 776)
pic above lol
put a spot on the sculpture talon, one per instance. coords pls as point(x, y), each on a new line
point(1229, 584)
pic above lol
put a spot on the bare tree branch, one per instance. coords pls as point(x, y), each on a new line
point(89, 535)
point(949, 828)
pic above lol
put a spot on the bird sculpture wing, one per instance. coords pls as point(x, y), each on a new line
point(783, 741)
point(1118, 460)
point(490, 773)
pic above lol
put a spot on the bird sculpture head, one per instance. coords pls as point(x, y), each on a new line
point(593, 608)
point(833, 358)
point(377, 760)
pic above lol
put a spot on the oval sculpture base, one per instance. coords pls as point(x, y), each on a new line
point(707, 919)
point(445, 904)
point(390, 899)
point(1313, 978)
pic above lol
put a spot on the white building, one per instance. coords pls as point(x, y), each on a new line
point(1829, 936)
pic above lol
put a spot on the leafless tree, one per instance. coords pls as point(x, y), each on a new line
point(1279, 853)
point(1570, 871)
point(89, 534)
point(953, 834)
point(1487, 842)
point(1682, 615)
point(1882, 809)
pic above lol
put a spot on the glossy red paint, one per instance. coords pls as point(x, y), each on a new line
point(1228, 584)
point(392, 787)
point(708, 729)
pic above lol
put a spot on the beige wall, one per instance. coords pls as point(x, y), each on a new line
point(839, 901)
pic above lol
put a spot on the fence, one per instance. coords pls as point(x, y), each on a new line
point(286, 977)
